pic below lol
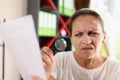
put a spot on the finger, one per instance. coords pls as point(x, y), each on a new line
point(46, 59)
point(34, 77)
point(49, 52)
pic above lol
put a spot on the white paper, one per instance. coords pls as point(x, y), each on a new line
point(20, 38)
point(1, 61)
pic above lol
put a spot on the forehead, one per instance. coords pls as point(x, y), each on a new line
point(86, 22)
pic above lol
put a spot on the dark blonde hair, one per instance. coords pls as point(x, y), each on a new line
point(82, 12)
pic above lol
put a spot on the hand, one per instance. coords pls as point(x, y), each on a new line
point(34, 77)
point(48, 60)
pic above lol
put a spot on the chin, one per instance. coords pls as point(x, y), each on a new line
point(89, 55)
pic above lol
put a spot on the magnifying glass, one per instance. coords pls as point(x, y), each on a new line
point(60, 44)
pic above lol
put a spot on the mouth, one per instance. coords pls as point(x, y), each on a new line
point(87, 48)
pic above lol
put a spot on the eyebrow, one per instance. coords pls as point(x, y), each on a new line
point(95, 30)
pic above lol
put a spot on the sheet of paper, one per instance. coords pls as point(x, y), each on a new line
point(20, 38)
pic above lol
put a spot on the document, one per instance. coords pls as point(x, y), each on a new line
point(21, 40)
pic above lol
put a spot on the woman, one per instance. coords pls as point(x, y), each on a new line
point(86, 62)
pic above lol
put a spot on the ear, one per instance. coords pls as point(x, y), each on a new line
point(104, 37)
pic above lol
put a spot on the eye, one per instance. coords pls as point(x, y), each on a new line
point(78, 34)
point(91, 33)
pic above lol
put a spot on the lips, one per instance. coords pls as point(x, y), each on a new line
point(87, 48)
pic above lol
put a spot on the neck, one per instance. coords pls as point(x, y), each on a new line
point(90, 63)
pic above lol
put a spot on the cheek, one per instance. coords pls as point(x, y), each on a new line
point(97, 42)
point(74, 41)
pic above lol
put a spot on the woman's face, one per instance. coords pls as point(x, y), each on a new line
point(87, 36)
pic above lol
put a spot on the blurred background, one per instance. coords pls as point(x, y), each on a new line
point(60, 12)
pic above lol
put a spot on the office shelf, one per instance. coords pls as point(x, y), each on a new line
point(34, 7)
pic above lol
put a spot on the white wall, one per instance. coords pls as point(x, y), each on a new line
point(11, 9)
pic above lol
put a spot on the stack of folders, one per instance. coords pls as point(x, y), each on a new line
point(65, 8)
point(47, 25)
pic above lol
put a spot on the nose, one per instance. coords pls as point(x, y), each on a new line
point(85, 39)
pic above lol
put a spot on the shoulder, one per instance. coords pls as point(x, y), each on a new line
point(115, 68)
point(113, 63)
